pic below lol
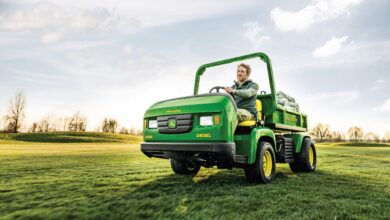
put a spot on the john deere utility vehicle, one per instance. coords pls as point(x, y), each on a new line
point(199, 130)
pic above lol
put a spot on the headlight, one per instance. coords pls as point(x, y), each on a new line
point(206, 120)
point(152, 124)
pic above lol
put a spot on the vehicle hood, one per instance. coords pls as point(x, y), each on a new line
point(204, 103)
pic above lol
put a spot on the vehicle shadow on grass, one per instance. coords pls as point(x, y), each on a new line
point(227, 193)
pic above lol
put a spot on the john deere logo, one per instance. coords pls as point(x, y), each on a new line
point(172, 123)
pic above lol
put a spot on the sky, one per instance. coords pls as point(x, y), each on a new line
point(116, 58)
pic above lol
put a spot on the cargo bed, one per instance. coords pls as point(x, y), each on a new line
point(286, 120)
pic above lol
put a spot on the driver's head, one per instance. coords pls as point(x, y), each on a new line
point(243, 72)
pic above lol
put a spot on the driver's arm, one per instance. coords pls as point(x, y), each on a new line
point(246, 93)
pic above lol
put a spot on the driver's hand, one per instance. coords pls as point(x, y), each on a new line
point(228, 90)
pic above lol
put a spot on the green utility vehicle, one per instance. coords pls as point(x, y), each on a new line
point(199, 130)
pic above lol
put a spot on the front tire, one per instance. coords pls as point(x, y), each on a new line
point(306, 160)
point(263, 170)
point(184, 167)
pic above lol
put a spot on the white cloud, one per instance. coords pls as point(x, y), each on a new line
point(378, 84)
point(385, 107)
point(48, 16)
point(340, 96)
point(316, 12)
point(253, 32)
point(50, 38)
point(379, 81)
point(71, 19)
point(122, 62)
point(34, 14)
point(331, 47)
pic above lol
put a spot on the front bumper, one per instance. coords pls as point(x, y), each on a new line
point(159, 149)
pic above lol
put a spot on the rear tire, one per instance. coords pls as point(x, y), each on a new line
point(184, 167)
point(306, 160)
point(263, 170)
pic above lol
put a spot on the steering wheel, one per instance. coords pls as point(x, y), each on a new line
point(230, 95)
point(216, 88)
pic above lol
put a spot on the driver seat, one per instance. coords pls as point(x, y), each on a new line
point(251, 123)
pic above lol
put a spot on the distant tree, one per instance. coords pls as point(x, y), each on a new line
point(16, 112)
point(386, 136)
point(337, 136)
point(124, 130)
point(64, 123)
point(43, 125)
point(10, 127)
point(133, 131)
point(106, 125)
point(355, 133)
point(113, 125)
point(371, 136)
point(109, 125)
point(33, 128)
point(50, 123)
point(321, 131)
point(2, 124)
point(77, 122)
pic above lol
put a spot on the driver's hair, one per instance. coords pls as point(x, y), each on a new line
point(247, 67)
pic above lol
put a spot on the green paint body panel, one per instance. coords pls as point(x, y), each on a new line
point(289, 118)
point(246, 144)
point(198, 106)
point(276, 118)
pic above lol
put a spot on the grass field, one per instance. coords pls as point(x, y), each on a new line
point(98, 177)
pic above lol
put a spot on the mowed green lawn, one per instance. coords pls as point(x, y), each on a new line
point(104, 180)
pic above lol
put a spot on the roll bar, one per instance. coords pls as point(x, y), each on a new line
point(260, 55)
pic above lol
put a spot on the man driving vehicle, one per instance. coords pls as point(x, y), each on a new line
point(244, 92)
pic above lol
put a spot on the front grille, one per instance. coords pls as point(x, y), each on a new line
point(183, 124)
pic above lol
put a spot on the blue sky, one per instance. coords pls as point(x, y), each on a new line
point(115, 59)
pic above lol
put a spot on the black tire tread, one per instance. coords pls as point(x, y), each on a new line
point(254, 172)
point(301, 161)
point(181, 167)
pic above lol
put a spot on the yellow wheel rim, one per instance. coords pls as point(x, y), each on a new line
point(311, 156)
point(267, 164)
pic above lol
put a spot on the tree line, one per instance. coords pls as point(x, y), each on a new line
point(322, 133)
point(16, 113)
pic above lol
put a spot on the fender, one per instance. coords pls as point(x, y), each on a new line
point(257, 135)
